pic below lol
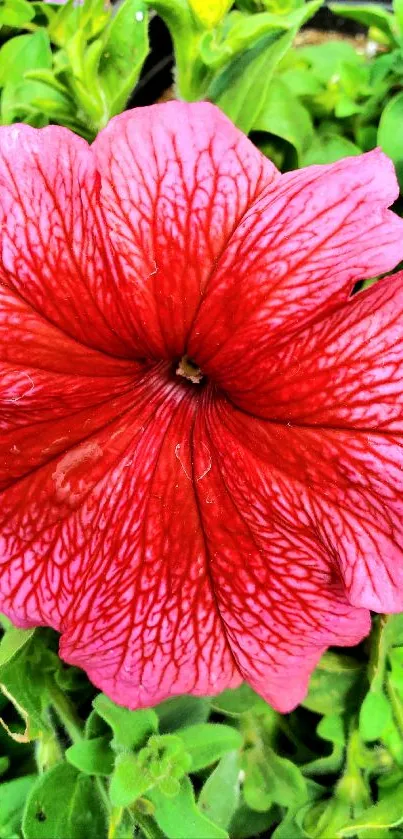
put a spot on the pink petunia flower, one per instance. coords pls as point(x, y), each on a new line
point(201, 451)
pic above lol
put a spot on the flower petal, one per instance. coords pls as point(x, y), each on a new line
point(275, 574)
point(297, 253)
point(176, 180)
point(55, 253)
point(53, 391)
point(104, 543)
point(346, 370)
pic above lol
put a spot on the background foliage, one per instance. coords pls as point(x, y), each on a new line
point(73, 764)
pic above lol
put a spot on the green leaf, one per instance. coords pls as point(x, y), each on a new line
point(23, 679)
point(386, 813)
point(12, 641)
point(390, 133)
point(335, 683)
point(162, 763)
point(129, 781)
point(283, 115)
point(182, 711)
point(16, 13)
point(330, 728)
point(369, 14)
point(219, 797)
point(23, 53)
point(327, 148)
point(248, 823)
point(93, 757)
point(124, 52)
point(13, 795)
point(236, 701)
point(130, 728)
point(241, 89)
point(63, 803)
point(207, 742)
point(375, 716)
point(180, 818)
point(271, 779)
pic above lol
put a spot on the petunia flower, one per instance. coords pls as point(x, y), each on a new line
point(201, 451)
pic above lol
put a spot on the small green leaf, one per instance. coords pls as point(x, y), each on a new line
point(240, 90)
point(375, 716)
point(182, 711)
point(390, 133)
point(130, 728)
point(23, 53)
point(124, 52)
point(386, 813)
point(236, 701)
point(283, 114)
point(93, 757)
point(219, 797)
point(129, 781)
point(335, 683)
point(206, 743)
point(13, 795)
point(12, 641)
point(180, 818)
point(16, 13)
point(271, 779)
point(63, 803)
point(248, 823)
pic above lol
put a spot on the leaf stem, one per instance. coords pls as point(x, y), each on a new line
point(65, 712)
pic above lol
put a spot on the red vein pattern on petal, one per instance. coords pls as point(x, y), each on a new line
point(176, 181)
point(296, 254)
point(346, 370)
point(276, 582)
point(346, 486)
point(55, 251)
point(127, 584)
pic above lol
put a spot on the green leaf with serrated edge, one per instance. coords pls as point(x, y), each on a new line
point(390, 133)
point(180, 818)
point(207, 742)
point(240, 700)
point(271, 779)
point(375, 716)
point(125, 50)
point(130, 728)
point(386, 813)
point(182, 711)
point(283, 114)
point(241, 88)
point(220, 794)
point(64, 803)
point(93, 757)
point(336, 682)
point(16, 13)
point(12, 641)
point(13, 795)
point(369, 14)
point(23, 53)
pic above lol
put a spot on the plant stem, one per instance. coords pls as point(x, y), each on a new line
point(65, 712)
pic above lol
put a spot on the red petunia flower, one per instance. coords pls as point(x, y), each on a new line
point(201, 431)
